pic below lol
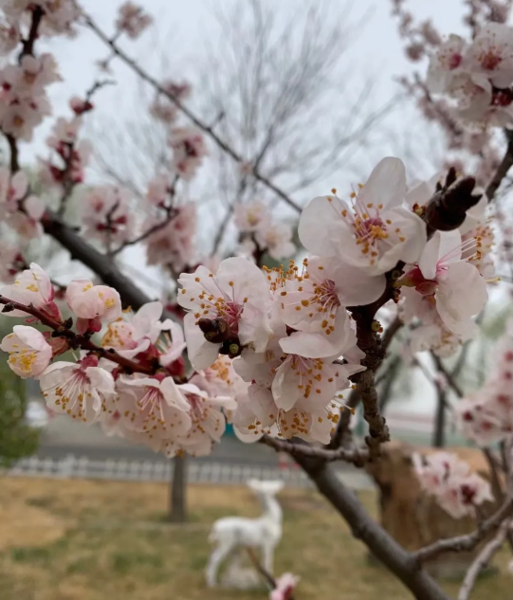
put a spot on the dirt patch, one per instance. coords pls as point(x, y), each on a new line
point(27, 526)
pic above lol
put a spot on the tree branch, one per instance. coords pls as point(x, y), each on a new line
point(356, 456)
point(469, 541)
point(103, 266)
point(402, 563)
point(448, 376)
point(482, 561)
point(502, 169)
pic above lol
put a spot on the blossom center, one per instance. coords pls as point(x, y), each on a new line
point(23, 359)
point(455, 61)
point(490, 60)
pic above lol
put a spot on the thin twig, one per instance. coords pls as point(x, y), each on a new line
point(469, 541)
point(482, 560)
point(157, 227)
point(448, 376)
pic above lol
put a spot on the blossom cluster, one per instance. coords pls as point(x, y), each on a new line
point(69, 156)
point(486, 417)
point(435, 299)
point(290, 330)
point(478, 76)
point(449, 479)
point(132, 19)
point(259, 234)
point(129, 382)
point(273, 350)
point(56, 18)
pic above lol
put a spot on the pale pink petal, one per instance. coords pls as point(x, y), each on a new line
point(386, 184)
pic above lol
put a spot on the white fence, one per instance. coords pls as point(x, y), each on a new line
point(137, 470)
point(198, 472)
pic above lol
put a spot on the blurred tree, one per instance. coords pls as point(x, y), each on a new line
point(17, 439)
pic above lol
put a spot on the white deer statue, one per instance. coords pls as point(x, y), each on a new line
point(263, 533)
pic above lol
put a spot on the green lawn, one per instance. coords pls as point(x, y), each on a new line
point(88, 540)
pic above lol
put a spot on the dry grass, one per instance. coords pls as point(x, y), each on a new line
point(88, 540)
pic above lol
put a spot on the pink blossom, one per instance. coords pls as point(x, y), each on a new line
point(250, 217)
point(221, 379)
point(491, 53)
point(153, 409)
point(208, 422)
point(31, 287)
point(9, 37)
point(174, 244)
point(442, 274)
point(158, 190)
point(29, 352)
point(78, 389)
point(285, 585)
point(189, 148)
point(238, 294)
point(162, 107)
point(134, 333)
point(80, 106)
point(92, 304)
point(173, 345)
point(28, 223)
point(276, 239)
point(313, 302)
point(12, 189)
point(132, 19)
point(11, 261)
point(447, 62)
point(486, 417)
point(106, 214)
point(449, 480)
point(372, 233)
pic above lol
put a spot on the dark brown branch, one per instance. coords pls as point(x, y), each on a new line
point(225, 147)
point(502, 170)
point(73, 339)
point(355, 456)
point(28, 44)
point(103, 266)
point(13, 148)
point(494, 465)
point(440, 367)
point(400, 562)
point(469, 541)
point(390, 332)
point(482, 561)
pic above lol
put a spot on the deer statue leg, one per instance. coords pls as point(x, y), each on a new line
point(268, 556)
point(216, 558)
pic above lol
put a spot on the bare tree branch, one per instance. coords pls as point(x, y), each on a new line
point(469, 541)
point(402, 563)
point(356, 456)
point(502, 169)
point(482, 560)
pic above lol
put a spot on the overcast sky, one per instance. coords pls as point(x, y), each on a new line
point(180, 31)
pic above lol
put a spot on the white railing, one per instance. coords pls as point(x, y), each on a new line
point(146, 470)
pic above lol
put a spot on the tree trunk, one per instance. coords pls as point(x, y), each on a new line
point(178, 491)
point(439, 433)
